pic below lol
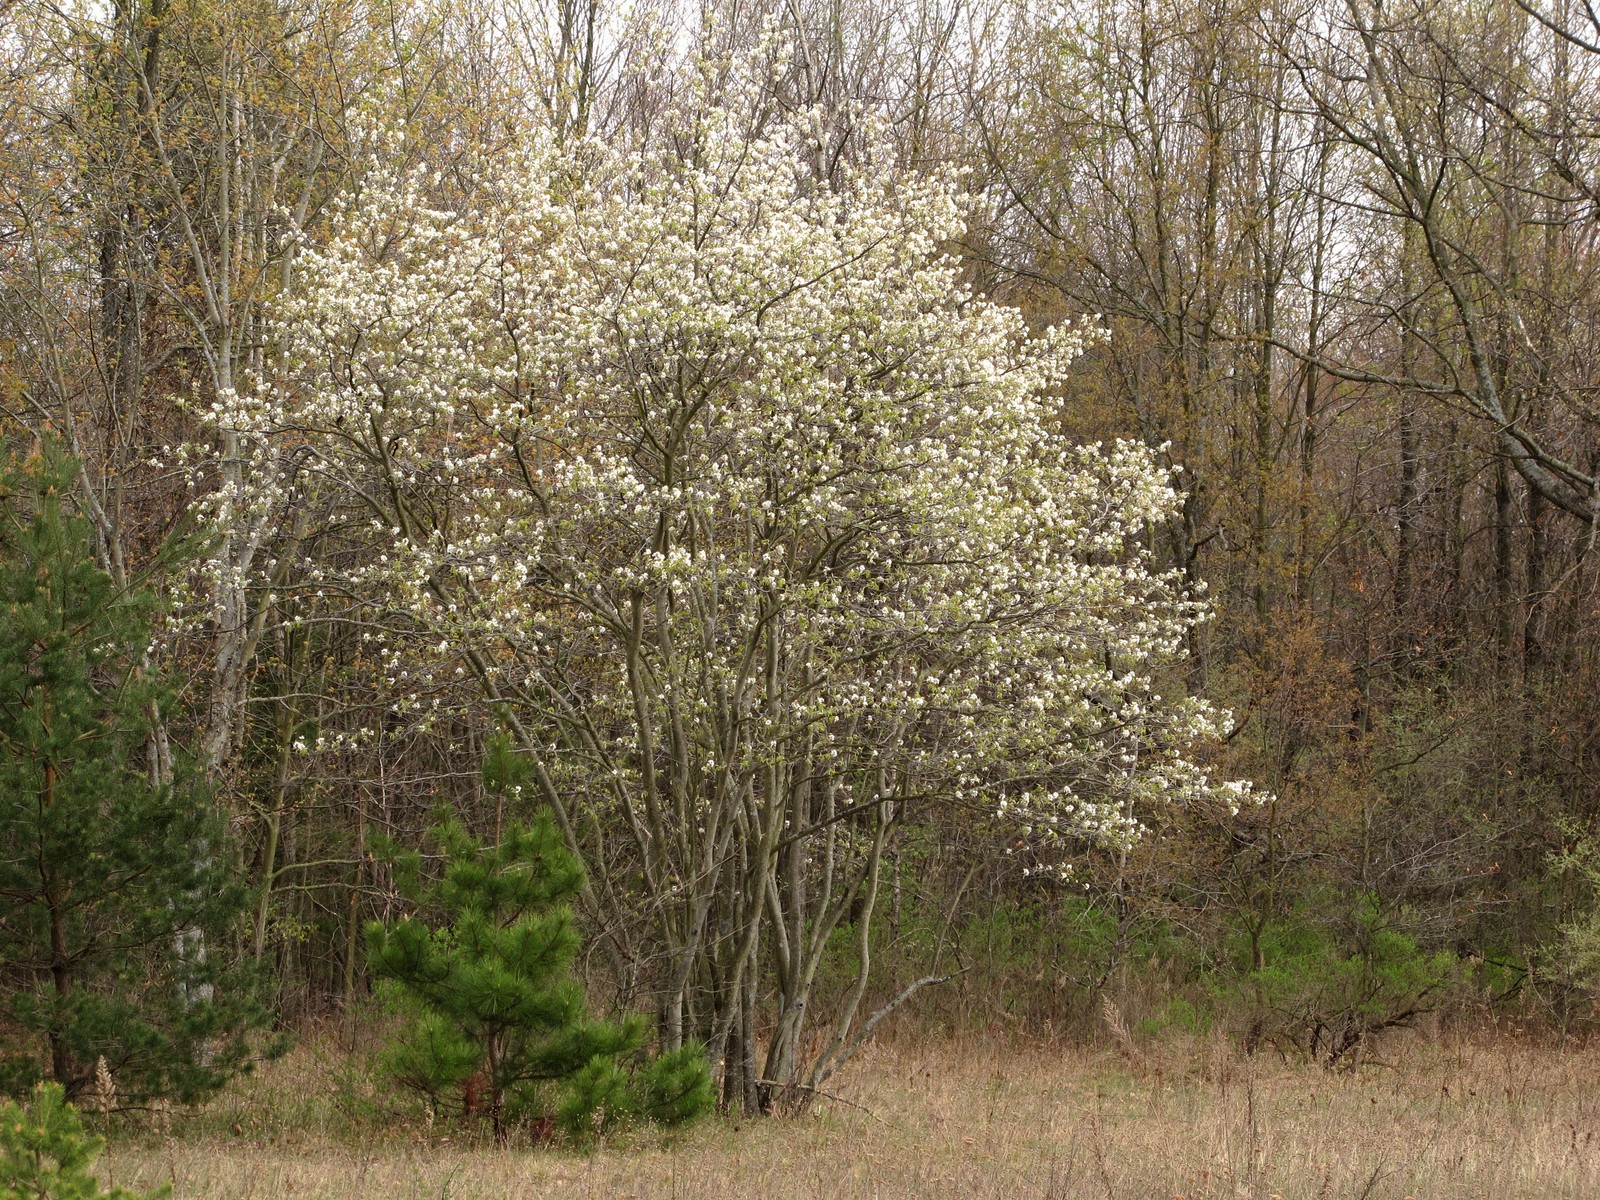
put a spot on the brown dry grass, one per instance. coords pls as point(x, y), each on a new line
point(970, 1119)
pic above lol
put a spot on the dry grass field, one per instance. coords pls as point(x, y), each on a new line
point(1501, 1119)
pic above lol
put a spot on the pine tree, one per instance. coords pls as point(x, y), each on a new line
point(491, 992)
point(46, 1155)
point(114, 894)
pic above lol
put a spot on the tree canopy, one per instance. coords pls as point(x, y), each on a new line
point(751, 517)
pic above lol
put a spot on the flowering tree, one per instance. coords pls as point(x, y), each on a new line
point(750, 520)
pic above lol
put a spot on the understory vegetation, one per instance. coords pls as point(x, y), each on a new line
point(579, 575)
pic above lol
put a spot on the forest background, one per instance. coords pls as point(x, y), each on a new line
point(1346, 256)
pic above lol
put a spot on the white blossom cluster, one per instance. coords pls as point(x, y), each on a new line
point(717, 472)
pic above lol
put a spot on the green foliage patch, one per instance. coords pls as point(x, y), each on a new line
point(117, 892)
point(489, 1000)
point(46, 1155)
